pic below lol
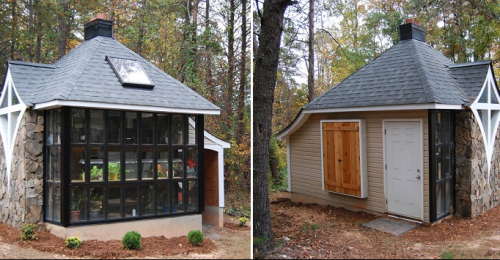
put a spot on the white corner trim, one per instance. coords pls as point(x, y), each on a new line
point(489, 119)
point(87, 104)
point(288, 168)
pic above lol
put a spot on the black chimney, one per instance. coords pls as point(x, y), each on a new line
point(98, 26)
point(411, 30)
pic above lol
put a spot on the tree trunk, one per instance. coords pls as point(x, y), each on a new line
point(63, 29)
point(230, 70)
point(243, 82)
point(210, 81)
point(141, 28)
point(265, 75)
point(13, 36)
point(310, 69)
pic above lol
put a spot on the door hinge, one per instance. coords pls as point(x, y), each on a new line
point(386, 166)
point(385, 131)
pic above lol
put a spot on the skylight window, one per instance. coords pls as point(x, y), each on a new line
point(130, 72)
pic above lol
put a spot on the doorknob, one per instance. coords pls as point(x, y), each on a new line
point(418, 177)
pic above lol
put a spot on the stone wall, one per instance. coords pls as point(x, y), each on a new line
point(22, 202)
point(474, 192)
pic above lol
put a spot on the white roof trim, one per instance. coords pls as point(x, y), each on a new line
point(61, 103)
point(304, 114)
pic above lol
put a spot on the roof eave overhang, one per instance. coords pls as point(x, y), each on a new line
point(100, 105)
point(304, 114)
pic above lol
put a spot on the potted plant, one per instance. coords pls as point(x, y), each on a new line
point(96, 174)
point(113, 171)
point(76, 203)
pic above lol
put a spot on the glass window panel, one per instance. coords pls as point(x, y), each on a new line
point(114, 206)
point(50, 163)
point(177, 165)
point(192, 196)
point(192, 131)
point(494, 117)
point(96, 202)
point(192, 169)
point(439, 170)
point(178, 197)
point(163, 196)
point(49, 126)
point(96, 164)
point(131, 128)
point(494, 99)
point(177, 129)
point(439, 200)
point(163, 126)
point(51, 207)
point(130, 201)
point(114, 127)
point(56, 163)
point(57, 129)
point(131, 165)
point(12, 124)
point(5, 101)
point(147, 127)
point(77, 164)
point(77, 202)
point(57, 212)
point(78, 126)
point(162, 157)
point(96, 126)
point(448, 198)
point(147, 168)
point(484, 121)
point(130, 72)
point(147, 199)
point(114, 166)
point(484, 96)
point(438, 115)
point(15, 99)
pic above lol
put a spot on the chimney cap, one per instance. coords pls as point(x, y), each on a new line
point(410, 20)
point(101, 16)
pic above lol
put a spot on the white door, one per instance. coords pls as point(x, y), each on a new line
point(404, 175)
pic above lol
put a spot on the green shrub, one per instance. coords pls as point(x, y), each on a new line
point(243, 221)
point(132, 240)
point(195, 237)
point(73, 242)
point(28, 232)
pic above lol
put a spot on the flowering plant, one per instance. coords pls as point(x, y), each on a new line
point(191, 163)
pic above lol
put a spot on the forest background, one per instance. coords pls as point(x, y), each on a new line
point(202, 43)
point(323, 45)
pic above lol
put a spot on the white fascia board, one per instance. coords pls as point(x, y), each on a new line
point(296, 124)
point(61, 103)
point(387, 108)
point(304, 114)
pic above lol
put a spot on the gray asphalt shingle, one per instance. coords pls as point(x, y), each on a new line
point(84, 75)
point(410, 72)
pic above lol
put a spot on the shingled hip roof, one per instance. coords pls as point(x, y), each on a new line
point(84, 75)
point(409, 73)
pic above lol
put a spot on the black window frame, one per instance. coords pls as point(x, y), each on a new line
point(441, 161)
point(66, 179)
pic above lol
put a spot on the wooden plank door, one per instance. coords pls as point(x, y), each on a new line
point(341, 157)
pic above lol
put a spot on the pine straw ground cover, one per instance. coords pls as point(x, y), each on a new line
point(315, 231)
point(152, 247)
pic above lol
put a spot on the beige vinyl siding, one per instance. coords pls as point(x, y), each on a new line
point(306, 168)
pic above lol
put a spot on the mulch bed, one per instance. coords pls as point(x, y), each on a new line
point(235, 226)
point(151, 246)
